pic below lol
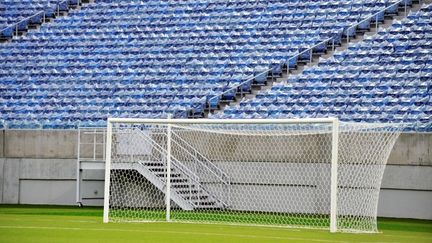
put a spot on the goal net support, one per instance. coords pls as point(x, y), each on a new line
point(312, 173)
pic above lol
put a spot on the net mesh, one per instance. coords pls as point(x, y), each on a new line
point(260, 174)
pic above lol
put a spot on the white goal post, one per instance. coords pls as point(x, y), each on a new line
point(311, 173)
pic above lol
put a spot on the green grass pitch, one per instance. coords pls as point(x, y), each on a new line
point(73, 224)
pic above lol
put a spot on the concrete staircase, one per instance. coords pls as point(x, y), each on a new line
point(189, 189)
point(186, 190)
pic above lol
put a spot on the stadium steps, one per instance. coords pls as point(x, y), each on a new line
point(36, 26)
point(303, 64)
point(185, 192)
point(187, 189)
point(188, 195)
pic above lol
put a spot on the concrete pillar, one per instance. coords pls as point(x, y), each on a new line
point(11, 181)
point(1, 178)
point(2, 140)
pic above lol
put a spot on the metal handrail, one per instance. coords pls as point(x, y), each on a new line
point(159, 148)
point(179, 165)
point(223, 174)
point(15, 25)
point(91, 132)
point(266, 71)
point(239, 85)
point(369, 17)
point(310, 49)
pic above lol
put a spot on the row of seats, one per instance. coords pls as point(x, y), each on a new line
point(19, 14)
point(12, 11)
point(130, 45)
point(371, 81)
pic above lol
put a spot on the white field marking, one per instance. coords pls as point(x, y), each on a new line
point(274, 227)
point(267, 227)
point(222, 226)
point(231, 225)
point(169, 232)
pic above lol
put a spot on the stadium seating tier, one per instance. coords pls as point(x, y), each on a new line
point(153, 58)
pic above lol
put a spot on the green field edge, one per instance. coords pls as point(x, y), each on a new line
point(384, 223)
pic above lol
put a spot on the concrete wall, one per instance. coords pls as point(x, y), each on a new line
point(412, 149)
point(406, 192)
point(43, 144)
point(2, 138)
point(38, 181)
point(39, 167)
point(47, 181)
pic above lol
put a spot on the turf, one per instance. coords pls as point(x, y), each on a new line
point(238, 217)
point(71, 224)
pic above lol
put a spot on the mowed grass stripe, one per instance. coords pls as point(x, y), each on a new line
point(165, 232)
point(235, 217)
point(72, 224)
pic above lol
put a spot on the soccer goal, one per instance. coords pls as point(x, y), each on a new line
point(311, 173)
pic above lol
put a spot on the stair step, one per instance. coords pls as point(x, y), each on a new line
point(204, 203)
point(156, 169)
point(153, 164)
point(163, 175)
point(180, 181)
point(210, 207)
point(181, 186)
point(196, 198)
point(194, 191)
point(159, 168)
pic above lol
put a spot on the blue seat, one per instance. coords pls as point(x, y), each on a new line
point(151, 58)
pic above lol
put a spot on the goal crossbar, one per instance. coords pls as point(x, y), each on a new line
point(192, 146)
point(222, 121)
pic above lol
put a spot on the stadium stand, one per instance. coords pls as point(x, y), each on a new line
point(17, 16)
point(148, 59)
point(384, 78)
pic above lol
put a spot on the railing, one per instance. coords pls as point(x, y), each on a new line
point(376, 15)
point(296, 56)
point(193, 178)
point(90, 148)
point(180, 166)
point(161, 150)
point(16, 25)
point(224, 184)
point(234, 89)
point(216, 171)
point(94, 139)
point(310, 50)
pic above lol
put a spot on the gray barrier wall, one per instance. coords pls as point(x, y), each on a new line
point(39, 167)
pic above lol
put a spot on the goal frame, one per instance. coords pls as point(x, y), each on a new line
point(334, 122)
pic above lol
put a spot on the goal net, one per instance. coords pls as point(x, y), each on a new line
point(314, 173)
